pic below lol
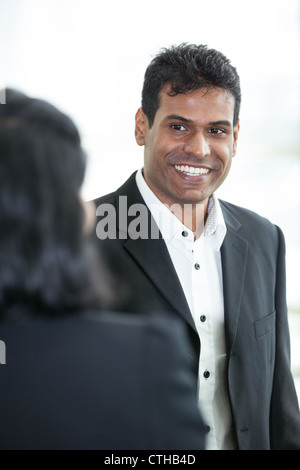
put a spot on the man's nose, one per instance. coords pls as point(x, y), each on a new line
point(197, 145)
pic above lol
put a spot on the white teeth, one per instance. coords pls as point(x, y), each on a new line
point(192, 170)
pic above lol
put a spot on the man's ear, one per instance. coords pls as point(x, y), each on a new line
point(235, 137)
point(141, 126)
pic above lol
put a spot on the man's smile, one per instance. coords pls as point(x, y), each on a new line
point(193, 171)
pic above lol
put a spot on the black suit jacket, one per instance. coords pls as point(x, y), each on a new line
point(98, 381)
point(261, 388)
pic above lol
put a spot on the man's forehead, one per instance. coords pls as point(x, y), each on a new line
point(223, 99)
point(167, 92)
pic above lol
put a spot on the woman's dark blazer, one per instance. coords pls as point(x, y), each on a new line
point(98, 381)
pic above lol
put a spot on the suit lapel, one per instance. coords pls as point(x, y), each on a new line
point(154, 259)
point(234, 258)
point(151, 254)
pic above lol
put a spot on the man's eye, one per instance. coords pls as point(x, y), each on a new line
point(178, 127)
point(216, 130)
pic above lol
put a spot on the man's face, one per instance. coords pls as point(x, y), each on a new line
point(189, 148)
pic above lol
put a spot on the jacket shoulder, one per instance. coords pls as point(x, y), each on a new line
point(245, 216)
point(109, 198)
point(251, 225)
point(125, 189)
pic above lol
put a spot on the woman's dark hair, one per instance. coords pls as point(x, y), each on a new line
point(45, 258)
point(188, 67)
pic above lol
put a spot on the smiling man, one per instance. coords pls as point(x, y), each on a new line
point(219, 267)
point(187, 153)
point(189, 147)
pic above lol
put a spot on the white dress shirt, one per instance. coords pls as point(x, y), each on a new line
point(199, 269)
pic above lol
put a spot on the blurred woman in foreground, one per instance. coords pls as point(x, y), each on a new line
point(76, 376)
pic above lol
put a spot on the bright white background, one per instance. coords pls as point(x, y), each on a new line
point(88, 57)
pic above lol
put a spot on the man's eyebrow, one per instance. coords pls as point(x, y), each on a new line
point(220, 123)
point(177, 118)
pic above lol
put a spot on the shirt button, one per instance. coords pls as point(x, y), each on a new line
point(184, 234)
point(206, 428)
point(197, 266)
point(203, 318)
point(206, 374)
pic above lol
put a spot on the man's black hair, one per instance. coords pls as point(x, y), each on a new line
point(188, 67)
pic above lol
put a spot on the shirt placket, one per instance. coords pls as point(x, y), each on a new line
point(204, 325)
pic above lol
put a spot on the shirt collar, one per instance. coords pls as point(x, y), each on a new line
point(171, 227)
